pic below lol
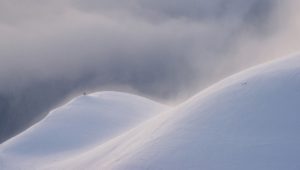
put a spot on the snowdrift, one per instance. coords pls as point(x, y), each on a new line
point(79, 125)
point(250, 120)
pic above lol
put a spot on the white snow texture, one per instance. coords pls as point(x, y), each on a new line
point(248, 121)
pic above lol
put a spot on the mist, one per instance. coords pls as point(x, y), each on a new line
point(164, 50)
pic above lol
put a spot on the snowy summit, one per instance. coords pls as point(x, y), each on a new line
point(248, 121)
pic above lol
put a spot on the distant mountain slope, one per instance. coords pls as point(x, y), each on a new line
point(84, 122)
point(248, 121)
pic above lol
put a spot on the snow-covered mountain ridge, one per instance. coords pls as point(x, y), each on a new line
point(250, 120)
point(79, 125)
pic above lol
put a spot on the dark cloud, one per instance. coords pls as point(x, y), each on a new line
point(166, 50)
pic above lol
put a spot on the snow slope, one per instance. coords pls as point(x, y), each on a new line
point(79, 125)
point(248, 121)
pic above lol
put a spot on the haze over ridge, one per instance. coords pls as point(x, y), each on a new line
point(168, 50)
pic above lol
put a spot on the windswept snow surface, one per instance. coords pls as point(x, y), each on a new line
point(249, 121)
point(79, 125)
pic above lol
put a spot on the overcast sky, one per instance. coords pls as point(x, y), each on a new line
point(148, 43)
point(165, 49)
